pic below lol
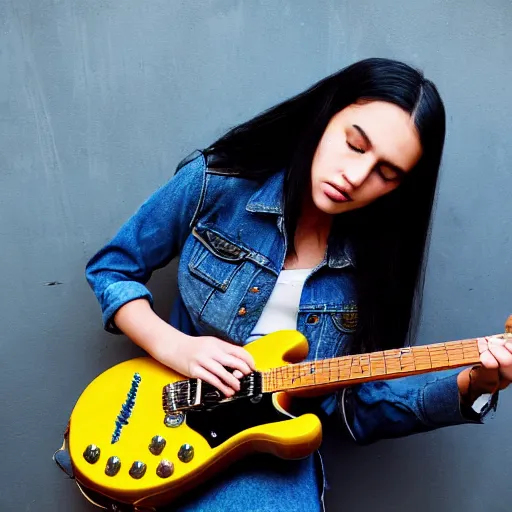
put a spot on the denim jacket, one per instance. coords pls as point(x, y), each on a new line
point(229, 234)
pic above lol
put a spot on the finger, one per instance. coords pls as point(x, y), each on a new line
point(488, 360)
point(217, 369)
point(238, 374)
point(508, 345)
point(501, 354)
point(241, 353)
point(482, 344)
point(233, 362)
point(495, 340)
point(210, 378)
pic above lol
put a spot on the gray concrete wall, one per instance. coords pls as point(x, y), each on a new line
point(100, 99)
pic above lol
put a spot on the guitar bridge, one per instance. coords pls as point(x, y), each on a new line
point(196, 394)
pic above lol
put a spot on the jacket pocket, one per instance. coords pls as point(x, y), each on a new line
point(345, 320)
point(215, 259)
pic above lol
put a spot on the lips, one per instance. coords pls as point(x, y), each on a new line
point(336, 193)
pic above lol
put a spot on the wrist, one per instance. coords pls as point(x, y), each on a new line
point(475, 382)
point(165, 342)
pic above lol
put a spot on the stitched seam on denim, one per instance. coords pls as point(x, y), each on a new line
point(343, 411)
point(260, 208)
point(231, 325)
point(424, 418)
point(324, 308)
point(228, 330)
point(200, 315)
point(131, 281)
point(196, 271)
point(202, 195)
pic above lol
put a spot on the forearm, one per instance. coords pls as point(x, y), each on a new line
point(144, 327)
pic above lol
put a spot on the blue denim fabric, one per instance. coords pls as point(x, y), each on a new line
point(229, 234)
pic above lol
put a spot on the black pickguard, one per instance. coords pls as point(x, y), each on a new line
point(226, 420)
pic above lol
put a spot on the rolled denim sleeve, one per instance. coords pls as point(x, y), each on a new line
point(401, 407)
point(154, 235)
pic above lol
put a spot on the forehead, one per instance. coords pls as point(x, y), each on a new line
point(391, 131)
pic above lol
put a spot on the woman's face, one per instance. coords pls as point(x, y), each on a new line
point(364, 153)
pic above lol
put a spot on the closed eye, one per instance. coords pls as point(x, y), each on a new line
point(354, 148)
point(388, 174)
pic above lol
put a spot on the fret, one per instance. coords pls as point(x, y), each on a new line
point(422, 358)
point(377, 366)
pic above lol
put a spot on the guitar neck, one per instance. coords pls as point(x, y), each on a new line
point(387, 364)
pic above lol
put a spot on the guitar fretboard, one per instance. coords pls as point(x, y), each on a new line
point(373, 366)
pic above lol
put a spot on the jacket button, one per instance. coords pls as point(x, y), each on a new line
point(254, 289)
point(242, 311)
point(312, 319)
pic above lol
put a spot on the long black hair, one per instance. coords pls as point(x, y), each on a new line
point(389, 236)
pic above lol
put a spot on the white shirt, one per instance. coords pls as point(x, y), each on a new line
point(281, 310)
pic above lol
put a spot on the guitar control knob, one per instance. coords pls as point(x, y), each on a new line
point(138, 469)
point(113, 466)
point(157, 445)
point(92, 454)
point(165, 469)
point(186, 453)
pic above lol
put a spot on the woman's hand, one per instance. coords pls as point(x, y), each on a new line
point(203, 357)
point(496, 359)
point(495, 372)
point(206, 358)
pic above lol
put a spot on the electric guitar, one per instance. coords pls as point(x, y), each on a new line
point(140, 435)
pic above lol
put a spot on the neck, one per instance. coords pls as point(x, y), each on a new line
point(313, 222)
point(388, 364)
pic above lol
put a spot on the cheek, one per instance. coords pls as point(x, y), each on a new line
point(331, 150)
point(375, 187)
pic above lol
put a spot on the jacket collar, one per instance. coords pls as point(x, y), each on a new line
point(269, 197)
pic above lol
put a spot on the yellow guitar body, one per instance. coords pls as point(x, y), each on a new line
point(93, 422)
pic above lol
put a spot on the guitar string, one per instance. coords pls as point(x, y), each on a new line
point(445, 351)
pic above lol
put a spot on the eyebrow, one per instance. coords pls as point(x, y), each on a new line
point(397, 169)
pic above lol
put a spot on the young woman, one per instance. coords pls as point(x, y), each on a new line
point(313, 216)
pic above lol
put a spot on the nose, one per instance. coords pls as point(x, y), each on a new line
point(357, 172)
